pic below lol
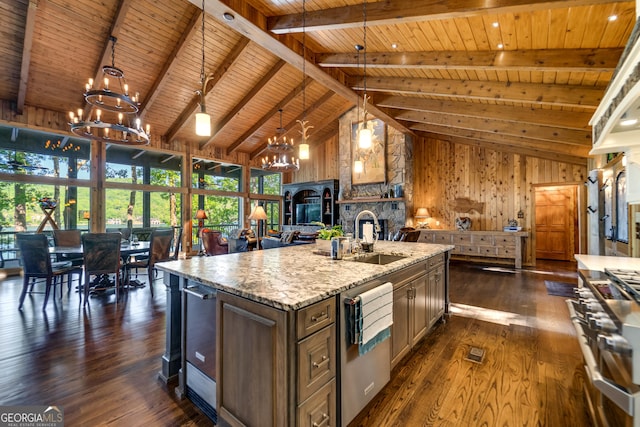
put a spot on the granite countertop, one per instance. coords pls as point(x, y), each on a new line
point(600, 262)
point(290, 278)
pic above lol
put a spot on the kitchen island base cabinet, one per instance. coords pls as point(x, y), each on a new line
point(275, 367)
point(418, 303)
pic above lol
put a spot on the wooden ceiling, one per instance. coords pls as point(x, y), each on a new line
point(523, 75)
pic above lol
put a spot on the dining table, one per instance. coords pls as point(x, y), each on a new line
point(127, 249)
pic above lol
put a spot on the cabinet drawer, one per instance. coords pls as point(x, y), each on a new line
point(315, 317)
point(466, 250)
point(505, 240)
point(506, 252)
point(483, 239)
point(461, 239)
point(316, 362)
point(320, 409)
point(443, 239)
point(436, 260)
point(488, 251)
point(426, 237)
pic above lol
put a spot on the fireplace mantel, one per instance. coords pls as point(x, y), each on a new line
point(371, 200)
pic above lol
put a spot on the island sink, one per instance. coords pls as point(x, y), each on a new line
point(380, 259)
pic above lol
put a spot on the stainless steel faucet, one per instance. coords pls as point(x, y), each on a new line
point(356, 231)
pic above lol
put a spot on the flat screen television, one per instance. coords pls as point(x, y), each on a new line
point(308, 212)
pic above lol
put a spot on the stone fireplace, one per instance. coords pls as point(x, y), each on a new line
point(380, 198)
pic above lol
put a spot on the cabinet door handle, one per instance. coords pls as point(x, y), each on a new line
point(324, 419)
point(324, 361)
point(321, 316)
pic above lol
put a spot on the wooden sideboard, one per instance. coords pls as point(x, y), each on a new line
point(486, 244)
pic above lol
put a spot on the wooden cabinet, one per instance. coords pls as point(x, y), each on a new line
point(305, 202)
point(418, 302)
point(272, 383)
point(471, 245)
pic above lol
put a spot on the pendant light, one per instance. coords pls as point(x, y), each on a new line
point(303, 147)
point(203, 120)
point(365, 133)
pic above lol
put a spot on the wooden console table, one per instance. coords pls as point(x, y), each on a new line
point(486, 244)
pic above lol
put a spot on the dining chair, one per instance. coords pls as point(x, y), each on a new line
point(70, 238)
point(159, 250)
point(101, 257)
point(36, 264)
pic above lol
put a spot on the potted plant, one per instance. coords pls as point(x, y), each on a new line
point(325, 234)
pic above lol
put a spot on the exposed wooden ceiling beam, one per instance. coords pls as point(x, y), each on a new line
point(244, 101)
point(214, 78)
point(514, 141)
point(530, 93)
point(118, 22)
point(394, 11)
point(251, 23)
point(265, 118)
point(497, 146)
point(575, 60)
point(26, 54)
point(503, 127)
point(293, 124)
point(563, 119)
point(172, 62)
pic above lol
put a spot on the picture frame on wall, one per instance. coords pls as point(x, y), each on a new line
point(374, 159)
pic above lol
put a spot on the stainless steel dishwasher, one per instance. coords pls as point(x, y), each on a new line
point(199, 338)
point(361, 377)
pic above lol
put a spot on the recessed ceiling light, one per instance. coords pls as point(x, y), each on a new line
point(495, 25)
point(394, 45)
point(612, 18)
point(628, 122)
point(228, 17)
point(500, 46)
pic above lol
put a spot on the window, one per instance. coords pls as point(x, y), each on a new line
point(37, 171)
point(266, 190)
point(265, 182)
point(210, 175)
point(156, 205)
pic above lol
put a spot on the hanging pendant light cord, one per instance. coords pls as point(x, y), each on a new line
point(304, 61)
point(202, 68)
point(364, 12)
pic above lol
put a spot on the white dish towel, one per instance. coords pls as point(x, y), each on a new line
point(377, 311)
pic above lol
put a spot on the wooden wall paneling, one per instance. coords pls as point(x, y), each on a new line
point(503, 181)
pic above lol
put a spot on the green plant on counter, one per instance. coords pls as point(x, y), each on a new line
point(326, 233)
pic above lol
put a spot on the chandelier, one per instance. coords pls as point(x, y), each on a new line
point(282, 161)
point(120, 123)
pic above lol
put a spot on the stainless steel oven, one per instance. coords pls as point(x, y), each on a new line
point(606, 317)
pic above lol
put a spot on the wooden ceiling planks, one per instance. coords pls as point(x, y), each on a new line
point(167, 74)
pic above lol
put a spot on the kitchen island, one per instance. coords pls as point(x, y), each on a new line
point(277, 334)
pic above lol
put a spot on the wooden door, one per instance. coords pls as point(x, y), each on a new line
point(555, 222)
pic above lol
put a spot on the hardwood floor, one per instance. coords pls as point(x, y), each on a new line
point(531, 371)
point(100, 363)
